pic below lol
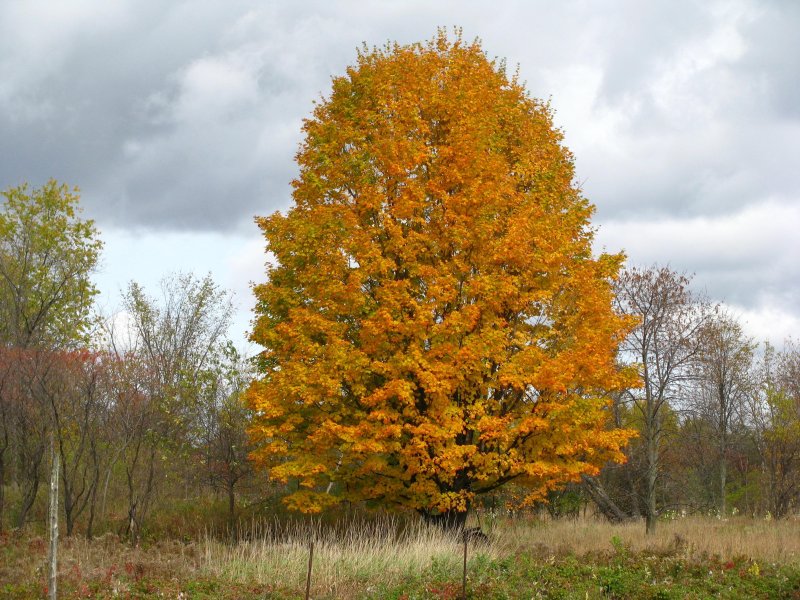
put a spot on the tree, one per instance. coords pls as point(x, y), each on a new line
point(724, 368)
point(222, 426)
point(47, 255)
point(664, 345)
point(434, 324)
point(73, 390)
point(775, 414)
point(28, 423)
point(7, 377)
point(174, 339)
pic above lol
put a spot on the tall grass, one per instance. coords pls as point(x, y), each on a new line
point(386, 551)
point(390, 551)
point(359, 556)
point(692, 536)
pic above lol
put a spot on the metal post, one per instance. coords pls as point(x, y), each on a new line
point(308, 576)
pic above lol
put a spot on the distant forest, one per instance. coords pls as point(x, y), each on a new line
point(145, 408)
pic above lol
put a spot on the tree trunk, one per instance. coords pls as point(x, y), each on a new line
point(90, 521)
point(69, 507)
point(650, 492)
point(650, 508)
point(451, 521)
point(103, 513)
point(28, 498)
point(32, 461)
point(652, 427)
point(5, 443)
point(2, 489)
point(652, 476)
point(723, 476)
point(603, 501)
point(93, 498)
point(231, 502)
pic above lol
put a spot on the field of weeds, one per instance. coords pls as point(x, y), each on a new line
point(387, 558)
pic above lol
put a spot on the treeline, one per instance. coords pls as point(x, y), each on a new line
point(717, 413)
point(144, 408)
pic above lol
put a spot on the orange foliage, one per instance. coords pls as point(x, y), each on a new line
point(434, 324)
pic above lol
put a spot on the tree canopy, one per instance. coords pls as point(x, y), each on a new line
point(47, 255)
point(434, 323)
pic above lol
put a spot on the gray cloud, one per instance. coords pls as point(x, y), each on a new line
point(181, 118)
point(186, 116)
point(747, 258)
point(692, 96)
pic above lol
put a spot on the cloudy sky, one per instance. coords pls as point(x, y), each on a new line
point(179, 122)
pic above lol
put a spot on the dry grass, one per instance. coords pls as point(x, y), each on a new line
point(367, 554)
point(353, 561)
point(364, 555)
point(108, 561)
point(728, 538)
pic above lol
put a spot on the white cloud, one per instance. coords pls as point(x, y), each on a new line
point(746, 258)
point(148, 257)
point(768, 323)
point(756, 235)
point(213, 89)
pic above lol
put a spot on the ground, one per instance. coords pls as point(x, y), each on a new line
point(526, 558)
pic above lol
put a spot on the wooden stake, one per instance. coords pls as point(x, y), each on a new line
point(464, 575)
point(308, 577)
point(52, 579)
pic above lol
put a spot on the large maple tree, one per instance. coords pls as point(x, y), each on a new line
point(434, 323)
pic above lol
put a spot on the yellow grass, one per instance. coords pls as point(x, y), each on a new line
point(362, 555)
point(729, 538)
point(366, 555)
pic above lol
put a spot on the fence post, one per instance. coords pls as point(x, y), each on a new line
point(308, 576)
point(464, 574)
point(52, 558)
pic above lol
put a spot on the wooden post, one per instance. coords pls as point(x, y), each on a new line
point(464, 574)
point(53, 560)
point(308, 576)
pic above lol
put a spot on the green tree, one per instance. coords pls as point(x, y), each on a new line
point(775, 416)
point(724, 368)
point(223, 421)
point(47, 255)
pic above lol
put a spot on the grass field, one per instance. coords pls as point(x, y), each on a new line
point(525, 558)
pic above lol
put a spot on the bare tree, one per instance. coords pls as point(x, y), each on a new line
point(664, 345)
point(31, 425)
point(723, 380)
point(174, 339)
point(7, 373)
point(72, 389)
